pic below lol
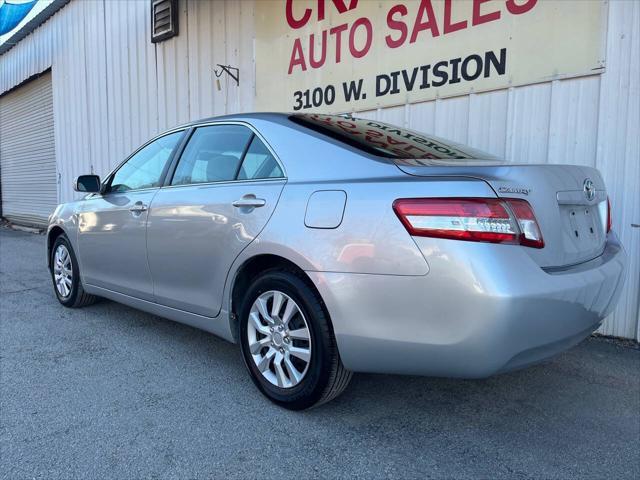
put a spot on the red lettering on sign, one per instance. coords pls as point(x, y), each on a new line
point(352, 45)
point(516, 9)
point(296, 23)
point(479, 18)
point(396, 25)
point(420, 25)
point(340, 6)
point(401, 19)
point(297, 56)
point(337, 34)
point(323, 50)
point(448, 26)
point(292, 21)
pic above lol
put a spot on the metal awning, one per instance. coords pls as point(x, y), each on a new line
point(13, 12)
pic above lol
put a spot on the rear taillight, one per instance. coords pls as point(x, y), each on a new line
point(474, 219)
point(609, 222)
point(530, 234)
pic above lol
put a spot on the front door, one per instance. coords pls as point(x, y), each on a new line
point(112, 225)
point(224, 189)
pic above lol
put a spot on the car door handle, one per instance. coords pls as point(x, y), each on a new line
point(138, 207)
point(250, 201)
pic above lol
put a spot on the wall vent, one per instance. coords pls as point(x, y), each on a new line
point(164, 19)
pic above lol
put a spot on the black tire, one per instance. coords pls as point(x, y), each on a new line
point(326, 377)
point(77, 297)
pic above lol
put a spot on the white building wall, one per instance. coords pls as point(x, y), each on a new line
point(113, 89)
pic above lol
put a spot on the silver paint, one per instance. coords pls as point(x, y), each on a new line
point(195, 232)
point(280, 350)
point(112, 242)
point(325, 209)
point(397, 303)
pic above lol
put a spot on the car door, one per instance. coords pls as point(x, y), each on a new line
point(224, 188)
point(112, 224)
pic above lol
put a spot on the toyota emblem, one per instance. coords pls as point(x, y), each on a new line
point(589, 189)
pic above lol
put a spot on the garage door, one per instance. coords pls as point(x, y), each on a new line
point(27, 153)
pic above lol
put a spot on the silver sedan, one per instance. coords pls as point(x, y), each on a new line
point(326, 245)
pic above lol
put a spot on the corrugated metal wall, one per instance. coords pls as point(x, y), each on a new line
point(113, 89)
point(27, 153)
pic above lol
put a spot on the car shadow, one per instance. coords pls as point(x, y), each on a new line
point(515, 397)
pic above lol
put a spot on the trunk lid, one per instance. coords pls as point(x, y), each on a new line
point(569, 201)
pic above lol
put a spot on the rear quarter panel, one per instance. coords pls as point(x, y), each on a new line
point(370, 239)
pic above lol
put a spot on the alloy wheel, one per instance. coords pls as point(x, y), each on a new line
point(63, 271)
point(279, 339)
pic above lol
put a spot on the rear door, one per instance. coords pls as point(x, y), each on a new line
point(225, 187)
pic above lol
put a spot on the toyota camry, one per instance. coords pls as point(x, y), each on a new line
point(325, 245)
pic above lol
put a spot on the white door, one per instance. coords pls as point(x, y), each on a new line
point(27, 153)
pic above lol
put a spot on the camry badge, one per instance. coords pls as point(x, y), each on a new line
point(520, 190)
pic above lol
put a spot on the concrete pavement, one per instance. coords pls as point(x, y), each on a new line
point(111, 392)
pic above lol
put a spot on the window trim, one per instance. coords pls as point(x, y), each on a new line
point(244, 154)
point(176, 160)
point(108, 179)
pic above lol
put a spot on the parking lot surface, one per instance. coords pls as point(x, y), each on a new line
point(111, 392)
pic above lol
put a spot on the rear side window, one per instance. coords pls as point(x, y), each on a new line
point(213, 154)
point(220, 153)
point(259, 163)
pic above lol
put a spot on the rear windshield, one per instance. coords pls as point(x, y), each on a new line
point(401, 145)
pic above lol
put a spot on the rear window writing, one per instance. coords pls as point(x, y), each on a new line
point(401, 145)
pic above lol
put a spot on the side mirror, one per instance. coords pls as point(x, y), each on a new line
point(87, 183)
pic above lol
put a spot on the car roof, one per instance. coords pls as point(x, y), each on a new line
point(348, 161)
point(278, 117)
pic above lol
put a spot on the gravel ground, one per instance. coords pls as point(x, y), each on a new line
point(111, 392)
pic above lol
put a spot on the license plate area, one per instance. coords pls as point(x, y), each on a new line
point(582, 225)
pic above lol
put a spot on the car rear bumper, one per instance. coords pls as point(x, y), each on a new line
point(481, 310)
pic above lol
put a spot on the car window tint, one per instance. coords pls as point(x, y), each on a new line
point(259, 163)
point(212, 155)
point(388, 141)
point(144, 169)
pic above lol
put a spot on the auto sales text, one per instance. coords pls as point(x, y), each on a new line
point(405, 23)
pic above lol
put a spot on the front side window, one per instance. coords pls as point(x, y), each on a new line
point(213, 154)
point(144, 169)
